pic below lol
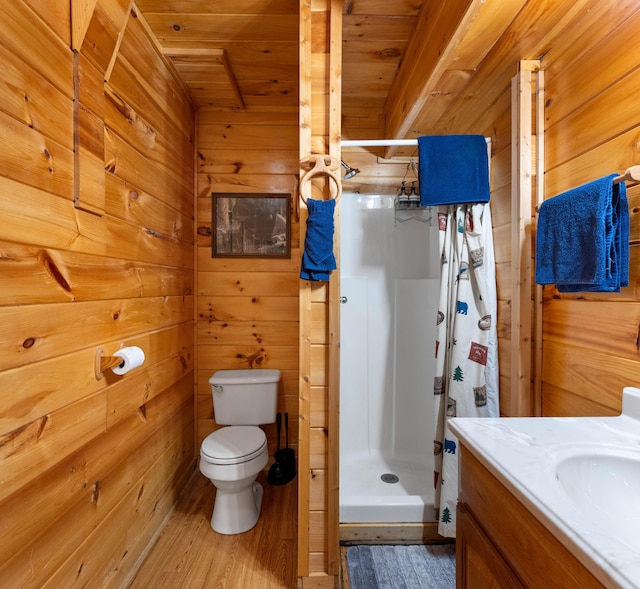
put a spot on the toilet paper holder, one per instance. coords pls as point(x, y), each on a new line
point(103, 362)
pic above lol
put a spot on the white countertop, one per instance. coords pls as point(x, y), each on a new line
point(523, 453)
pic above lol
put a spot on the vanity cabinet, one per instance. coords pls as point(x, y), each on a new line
point(502, 545)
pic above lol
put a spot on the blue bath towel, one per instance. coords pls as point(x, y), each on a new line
point(453, 169)
point(582, 241)
point(318, 259)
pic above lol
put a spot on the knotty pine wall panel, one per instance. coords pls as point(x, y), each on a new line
point(590, 349)
point(90, 468)
point(594, 375)
point(56, 15)
point(44, 108)
point(20, 24)
point(247, 310)
point(161, 92)
point(68, 490)
point(557, 401)
point(128, 164)
point(501, 212)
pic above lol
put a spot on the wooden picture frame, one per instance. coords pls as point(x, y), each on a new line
point(251, 225)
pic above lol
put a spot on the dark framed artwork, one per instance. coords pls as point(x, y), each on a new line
point(251, 225)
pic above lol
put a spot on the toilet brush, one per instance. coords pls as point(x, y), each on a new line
point(276, 474)
point(287, 455)
point(283, 469)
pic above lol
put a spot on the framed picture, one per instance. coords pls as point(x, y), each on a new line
point(251, 225)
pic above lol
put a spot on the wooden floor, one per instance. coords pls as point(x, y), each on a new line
point(190, 554)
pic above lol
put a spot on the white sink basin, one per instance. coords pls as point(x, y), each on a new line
point(604, 480)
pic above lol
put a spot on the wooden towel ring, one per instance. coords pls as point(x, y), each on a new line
point(322, 164)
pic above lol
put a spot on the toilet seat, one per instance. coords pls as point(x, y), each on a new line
point(234, 444)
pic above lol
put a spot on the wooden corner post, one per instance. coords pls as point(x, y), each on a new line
point(522, 169)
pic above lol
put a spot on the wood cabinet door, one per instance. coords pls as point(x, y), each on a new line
point(479, 564)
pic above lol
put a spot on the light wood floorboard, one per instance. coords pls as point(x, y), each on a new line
point(189, 554)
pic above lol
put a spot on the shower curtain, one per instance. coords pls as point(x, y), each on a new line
point(466, 376)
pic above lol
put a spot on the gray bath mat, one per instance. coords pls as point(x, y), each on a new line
point(402, 567)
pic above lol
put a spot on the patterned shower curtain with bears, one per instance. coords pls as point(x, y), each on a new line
point(466, 376)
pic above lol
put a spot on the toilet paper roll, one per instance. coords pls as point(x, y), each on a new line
point(132, 357)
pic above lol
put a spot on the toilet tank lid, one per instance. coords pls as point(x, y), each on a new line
point(245, 376)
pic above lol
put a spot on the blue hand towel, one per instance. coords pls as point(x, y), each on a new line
point(318, 259)
point(453, 169)
point(582, 241)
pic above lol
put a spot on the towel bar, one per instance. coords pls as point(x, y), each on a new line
point(631, 175)
point(384, 142)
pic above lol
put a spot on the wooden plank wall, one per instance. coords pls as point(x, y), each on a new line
point(89, 468)
point(590, 341)
point(591, 129)
point(247, 309)
point(592, 124)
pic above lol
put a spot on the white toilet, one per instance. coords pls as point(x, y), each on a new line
point(233, 456)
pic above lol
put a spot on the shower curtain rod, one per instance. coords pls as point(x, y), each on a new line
point(383, 142)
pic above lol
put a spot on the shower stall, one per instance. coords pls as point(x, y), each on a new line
point(389, 276)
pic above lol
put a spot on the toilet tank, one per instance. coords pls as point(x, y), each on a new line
point(245, 397)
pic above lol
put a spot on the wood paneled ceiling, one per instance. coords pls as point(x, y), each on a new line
point(230, 53)
point(405, 62)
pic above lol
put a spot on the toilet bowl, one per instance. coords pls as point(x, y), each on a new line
point(231, 458)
